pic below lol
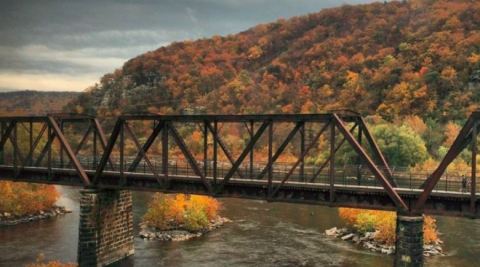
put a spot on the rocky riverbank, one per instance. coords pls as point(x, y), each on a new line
point(179, 234)
point(7, 218)
point(367, 241)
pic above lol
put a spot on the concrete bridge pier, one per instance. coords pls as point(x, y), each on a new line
point(409, 241)
point(106, 227)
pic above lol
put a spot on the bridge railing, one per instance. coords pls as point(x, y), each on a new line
point(347, 175)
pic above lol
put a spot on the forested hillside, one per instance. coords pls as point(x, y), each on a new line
point(33, 102)
point(412, 57)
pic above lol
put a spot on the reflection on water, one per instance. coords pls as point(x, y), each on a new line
point(262, 234)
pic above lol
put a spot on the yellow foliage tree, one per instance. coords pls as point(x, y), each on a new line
point(192, 212)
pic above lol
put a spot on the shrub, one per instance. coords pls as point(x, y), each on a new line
point(158, 211)
point(195, 217)
point(176, 211)
point(365, 222)
point(384, 222)
point(25, 198)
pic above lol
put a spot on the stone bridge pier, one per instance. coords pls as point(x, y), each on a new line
point(409, 241)
point(106, 227)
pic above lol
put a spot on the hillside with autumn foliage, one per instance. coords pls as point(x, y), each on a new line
point(419, 57)
point(28, 102)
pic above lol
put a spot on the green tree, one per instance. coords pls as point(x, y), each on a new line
point(400, 144)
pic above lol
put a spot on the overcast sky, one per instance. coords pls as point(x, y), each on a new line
point(69, 45)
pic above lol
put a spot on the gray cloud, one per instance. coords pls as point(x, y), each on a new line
point(73, 43)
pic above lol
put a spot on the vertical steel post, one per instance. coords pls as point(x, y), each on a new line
point(332, 162)
point(165, 151)
point(94, 165)
point(15, 145)
point(215, 152)
point(302, 152)
point(29, 160)
point(122, 148)
point(205, 148)
point(359, 160)
point(2, 150)
point(49, 156)
point(270, 152)
point(61, 146)
point(473, 182)
point(252, 130)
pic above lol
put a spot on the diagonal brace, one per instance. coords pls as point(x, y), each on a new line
point(396, 198)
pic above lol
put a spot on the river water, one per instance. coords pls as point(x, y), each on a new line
point(262, 234)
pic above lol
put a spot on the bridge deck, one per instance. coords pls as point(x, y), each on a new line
point(373, 196)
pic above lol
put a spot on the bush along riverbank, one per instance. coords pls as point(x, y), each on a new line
point(375, 231)
point(180, 217)
point(7, 218)
point(23, 202)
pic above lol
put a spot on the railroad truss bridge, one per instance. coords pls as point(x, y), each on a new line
point(193, 154)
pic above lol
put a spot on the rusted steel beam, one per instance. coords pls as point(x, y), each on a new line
point(29, 158)
point(81, 172)
point(359, 160)
point(396, 198)
point(6, 134)
point(46, 148)
point(473, 182)
point(94, 150)
point(376, 151)
point(331, 171)
point(51, 137)
point(15, 146)
point(123, 180)
point(35, 118)
point(188, 155)
point(143, 153)
point(224, 148)
point(215, 154)
point(30, 139)
point(205, 148)
point(18, 155)
point(457, 147)
point(156, 130)
point(103, 139)
point(82, 141)
point(327, 161)
point(324, 117)
point(251, 131)
point(270, 159)
point(61, 145)
point(280, 149)
point(302, 149)
point(108, 150)
point(2, 151)
point(310, 146)
point(165, 152)
point(244, 153)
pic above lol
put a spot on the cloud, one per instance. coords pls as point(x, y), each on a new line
point(68, 45)
point(47, 81)
point(87, 57)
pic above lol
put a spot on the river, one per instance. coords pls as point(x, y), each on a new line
point(262, 234)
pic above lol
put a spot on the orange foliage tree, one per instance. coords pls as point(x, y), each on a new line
point(25, 198)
